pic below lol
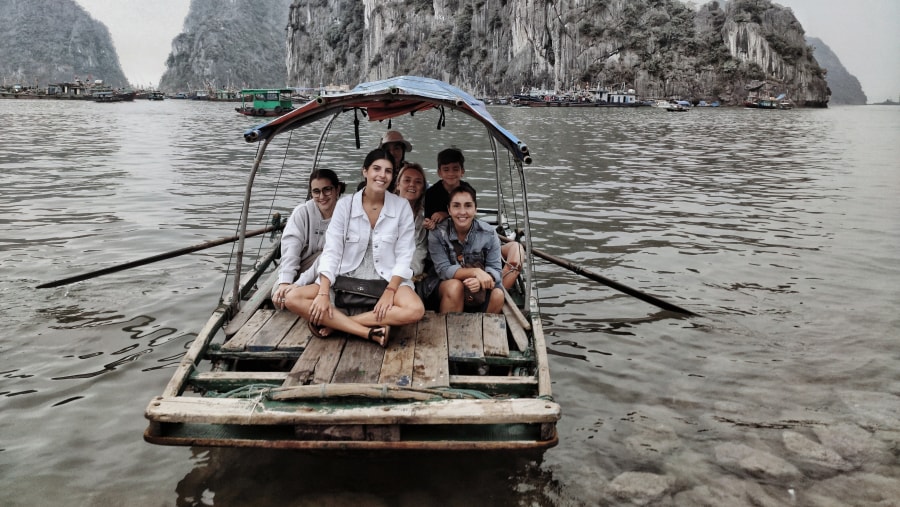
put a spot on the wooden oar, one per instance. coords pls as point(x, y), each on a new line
point(154, 258)
point(665, 305)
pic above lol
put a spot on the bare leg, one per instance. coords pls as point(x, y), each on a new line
point(299, 301)
point(495, 304)
point(512, 254)
point(451, 292)
point(408, 308)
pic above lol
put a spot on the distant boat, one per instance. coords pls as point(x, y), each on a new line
point(677, 107)
point(113, 96)
point(589, 98)
point(266, 102)
point(757, 99)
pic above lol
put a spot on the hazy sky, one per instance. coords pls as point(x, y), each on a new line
point(865, 34)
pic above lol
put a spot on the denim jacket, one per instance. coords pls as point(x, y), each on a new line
point(481, 246)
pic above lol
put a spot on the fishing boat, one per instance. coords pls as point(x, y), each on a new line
point(256, 377)
point(679, 106)
point(109, 95)
point(156, 95)
point(268, 102)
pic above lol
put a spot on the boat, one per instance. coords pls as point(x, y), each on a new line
point(266, 102)
point(759, 97)
point(679, 106)
point(156, 95)
point(256, 377)
point(600, 97)
point(110, 95)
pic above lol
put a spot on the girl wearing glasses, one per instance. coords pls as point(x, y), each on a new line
point(304, 234)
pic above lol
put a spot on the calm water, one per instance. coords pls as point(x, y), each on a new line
point(781, 228)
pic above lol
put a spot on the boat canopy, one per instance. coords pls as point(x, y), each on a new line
point(389, 98)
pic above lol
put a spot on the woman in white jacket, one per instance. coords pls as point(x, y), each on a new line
point(371, 236)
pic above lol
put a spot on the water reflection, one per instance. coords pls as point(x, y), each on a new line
point(250, 476)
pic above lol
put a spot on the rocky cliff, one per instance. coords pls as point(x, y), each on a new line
point(229, 44)
point(54, 41)
point(498, 47)
point(845, 88)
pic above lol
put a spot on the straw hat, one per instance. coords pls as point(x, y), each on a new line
point(392, 136)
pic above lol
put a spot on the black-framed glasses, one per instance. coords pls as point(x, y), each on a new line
point(326, 191)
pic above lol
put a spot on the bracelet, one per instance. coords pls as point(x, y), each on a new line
point(322, 294)
point(391, 289)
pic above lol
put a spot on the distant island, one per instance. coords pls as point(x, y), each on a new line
point(887, 102)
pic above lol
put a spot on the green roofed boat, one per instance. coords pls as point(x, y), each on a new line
point(266, 102)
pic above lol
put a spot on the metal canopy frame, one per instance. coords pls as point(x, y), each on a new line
point(381, 100)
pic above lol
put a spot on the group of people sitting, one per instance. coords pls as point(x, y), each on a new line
point(391, 249)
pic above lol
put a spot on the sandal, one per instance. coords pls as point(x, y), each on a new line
point(317, 331)
point(380, 335)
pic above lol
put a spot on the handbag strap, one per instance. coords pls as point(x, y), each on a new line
point(457, 246)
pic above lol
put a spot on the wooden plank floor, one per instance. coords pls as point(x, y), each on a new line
point(418, 355)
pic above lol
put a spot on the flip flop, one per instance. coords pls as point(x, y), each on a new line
point(380, 335)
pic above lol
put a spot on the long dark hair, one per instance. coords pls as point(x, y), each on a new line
point(378, 154)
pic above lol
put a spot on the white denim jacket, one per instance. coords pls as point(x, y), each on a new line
point(393, 240)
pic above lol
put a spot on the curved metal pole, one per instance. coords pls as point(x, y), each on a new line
point(527, 219)
point(242, 232)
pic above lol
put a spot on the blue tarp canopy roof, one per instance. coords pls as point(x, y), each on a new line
point(390, 98)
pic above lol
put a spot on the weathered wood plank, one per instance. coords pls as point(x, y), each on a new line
point(464, 336)
point(495, 342)
point(514, 324)
point(540, 350)
point(243, 411)
point(262, 376)
point(249, 307)
point(240, 340)
point(360, 362)
point(463, 380)
point(317, 363)
point(296, 338)
point(353, 432)
point(515, 311)
point(273, 331)
point(228, 380)
point(399, 356)
point(430, 368)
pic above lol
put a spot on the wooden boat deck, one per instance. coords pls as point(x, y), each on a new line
point(458, 370)
point(418, 355)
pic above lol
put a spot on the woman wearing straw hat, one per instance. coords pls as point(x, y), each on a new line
point(393, 142)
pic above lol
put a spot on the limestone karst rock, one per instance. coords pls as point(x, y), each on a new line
point(54, 41)
point(845, 88)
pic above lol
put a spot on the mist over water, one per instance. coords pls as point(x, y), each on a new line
point(780, 228)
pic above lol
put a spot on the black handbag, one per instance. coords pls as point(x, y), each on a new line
point(473, 299)
point(352, 292)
